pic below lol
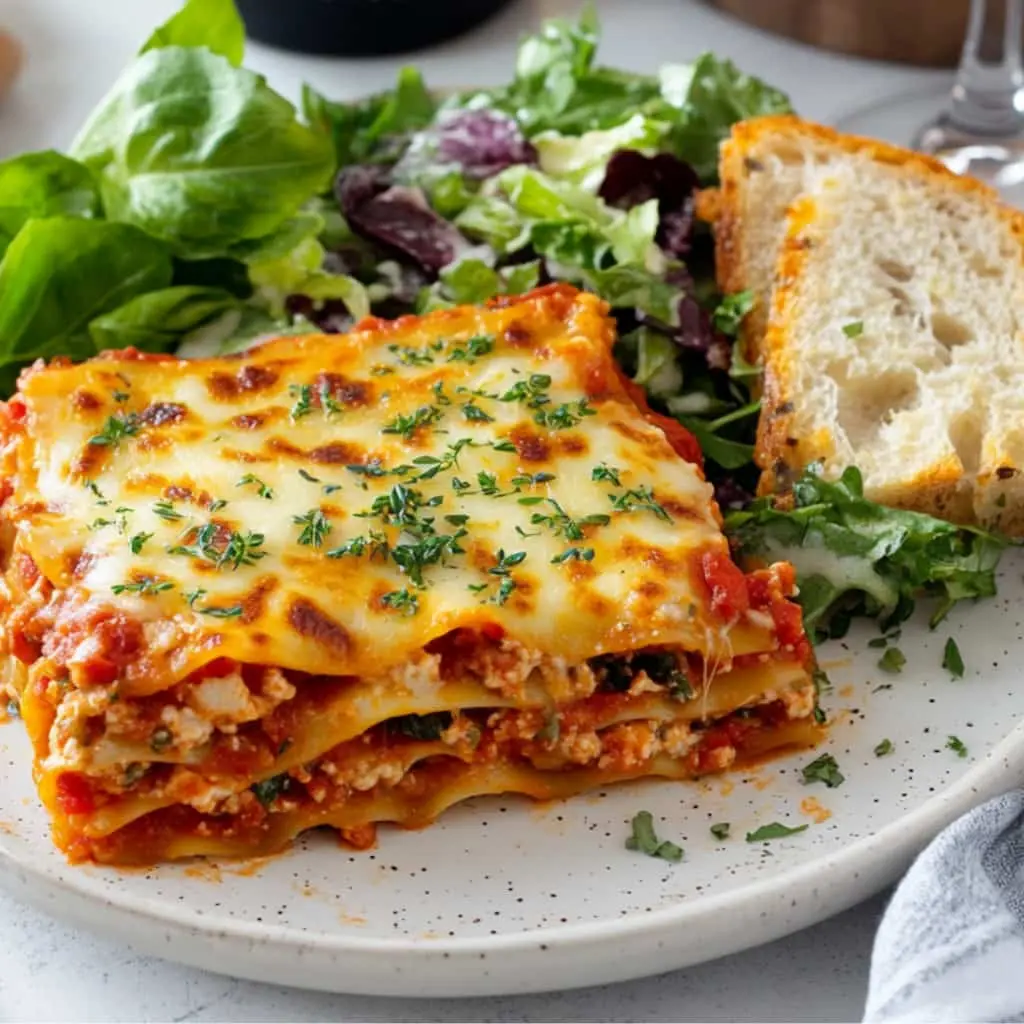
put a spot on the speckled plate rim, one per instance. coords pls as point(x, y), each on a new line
point(566, 956)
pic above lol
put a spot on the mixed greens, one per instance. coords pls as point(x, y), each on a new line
point(197, 211)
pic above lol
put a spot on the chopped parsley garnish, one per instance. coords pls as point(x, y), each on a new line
point(401, 601)
point(192, 596)
point(605, 472)
point(356, 547)
point(406, 424)
point(416, 356)
point(371, 468)
point(329, 406)
point(532, 391)
point(532, 479)
point(94, 489)
point(774, 830)
point(309, 477)
point(566, 415)
point(222, 547)
point(824, 769)
point(475, 414)
point(854, 329)
point(562, 524)
point(143, 587)
point(720, 830)
point(640, 498)
point(883, 748)
point(645, 840)
point(893, 660)
point(957, 745)
point(138, 541)
point(315, 527)
point(506, 562)
point(472, 349)
point(303, 395)
point(219, 612)
point(166, 510)
point(952, 660)
point(120, 396)
point(412, 559)
point(261, 488)
point(116, 429)
point(574, 555)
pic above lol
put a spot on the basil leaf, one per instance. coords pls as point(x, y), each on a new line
point(644, 840)
point(45, 184)
point(215, 24)
point(157, 321)
point(59, 274)
point(200, 153)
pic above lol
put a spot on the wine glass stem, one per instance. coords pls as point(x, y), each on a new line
point(988, 96)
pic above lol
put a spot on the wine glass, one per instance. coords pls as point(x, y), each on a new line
point(978, 127)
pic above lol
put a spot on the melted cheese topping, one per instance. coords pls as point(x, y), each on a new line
point(331, 504)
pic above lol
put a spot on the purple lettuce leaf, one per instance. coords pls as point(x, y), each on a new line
point(481, 142)
point(396, 217)
point(632, 178)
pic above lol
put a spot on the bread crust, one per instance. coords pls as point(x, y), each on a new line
point(943, 488)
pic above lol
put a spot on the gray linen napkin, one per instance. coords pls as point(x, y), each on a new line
point(951, 943)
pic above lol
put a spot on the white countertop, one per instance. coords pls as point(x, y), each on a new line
point(51, 972)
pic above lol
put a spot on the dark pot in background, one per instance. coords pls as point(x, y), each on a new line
point(362, 28)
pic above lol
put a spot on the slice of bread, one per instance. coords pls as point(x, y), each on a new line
point(889, 317)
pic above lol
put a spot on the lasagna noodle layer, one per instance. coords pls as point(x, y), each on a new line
point(180, 832)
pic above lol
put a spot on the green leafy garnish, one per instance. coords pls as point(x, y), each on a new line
point(952, 660)
point(893, 660)
point(645, 840)
point(268, 790)
point(729, 315)
point(403, 601)
point(261, 488)
point(315, 527)
point(775, 830)
point(721, 830)
point(422, 727)
point(222, 547)
point(957, 745)
point(115, 430)
point(854, 329)
point(823, 769)
point(884, 748)
point(854, 557)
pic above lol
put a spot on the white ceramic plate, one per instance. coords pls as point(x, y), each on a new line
point(505, 896)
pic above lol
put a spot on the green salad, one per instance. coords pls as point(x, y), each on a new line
point(198, 211)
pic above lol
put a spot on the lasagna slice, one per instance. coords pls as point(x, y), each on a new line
point(343, 580)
